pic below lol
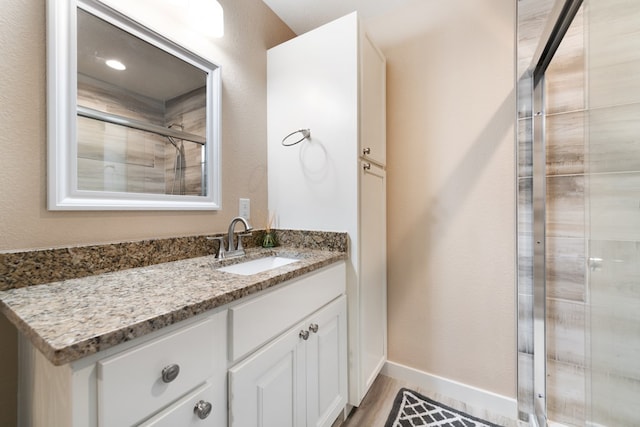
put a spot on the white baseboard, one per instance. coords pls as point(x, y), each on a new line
point(472, 396)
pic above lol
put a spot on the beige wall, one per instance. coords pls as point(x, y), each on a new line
point(451, 197)
point(250, 29)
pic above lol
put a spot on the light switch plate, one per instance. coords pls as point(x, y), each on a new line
point(244, 208)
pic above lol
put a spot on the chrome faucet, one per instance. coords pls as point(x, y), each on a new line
point(232, 249)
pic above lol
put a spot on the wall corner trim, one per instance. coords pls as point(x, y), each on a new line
point(472, 396)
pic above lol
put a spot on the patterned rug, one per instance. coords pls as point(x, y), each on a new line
point(411, 409)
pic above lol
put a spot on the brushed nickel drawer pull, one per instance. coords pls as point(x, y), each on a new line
point(202, 409)
point(170, 373)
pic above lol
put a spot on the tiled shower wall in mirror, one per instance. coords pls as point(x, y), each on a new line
point(116, 158)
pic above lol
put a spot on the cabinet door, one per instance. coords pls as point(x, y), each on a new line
point(312, 83)
point(372, 340)
point(268, 389)
point(327, 364)
point(373, 104)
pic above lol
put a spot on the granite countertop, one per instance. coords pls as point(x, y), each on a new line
point(74, 318)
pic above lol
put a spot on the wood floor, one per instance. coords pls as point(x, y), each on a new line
point(377, 404)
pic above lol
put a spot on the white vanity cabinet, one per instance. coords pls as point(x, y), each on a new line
point(154, 375)
point(300, 379)
point(296, 373)
point(167, 378)
point(276, 358)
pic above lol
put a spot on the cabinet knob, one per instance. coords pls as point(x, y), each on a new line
point(304, 335)
point(202, 409)
point(170, 373)
point(313, 327)
point(366, 151)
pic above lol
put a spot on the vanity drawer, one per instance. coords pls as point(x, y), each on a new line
point(255, 322)
point(131, 384)
point(183, 412)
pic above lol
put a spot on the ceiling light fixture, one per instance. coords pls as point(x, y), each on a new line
point(208, 16)
point(115, 64)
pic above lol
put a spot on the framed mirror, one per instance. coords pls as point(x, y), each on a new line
point(133, 118)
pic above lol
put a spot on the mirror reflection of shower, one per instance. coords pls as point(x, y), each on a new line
point(180, 163)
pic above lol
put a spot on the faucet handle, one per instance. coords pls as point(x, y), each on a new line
point(221, 250)
point(240, 236)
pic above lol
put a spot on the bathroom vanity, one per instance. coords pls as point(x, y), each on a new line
point(184, 343)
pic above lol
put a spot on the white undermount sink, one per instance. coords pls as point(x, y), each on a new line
point(259, 265)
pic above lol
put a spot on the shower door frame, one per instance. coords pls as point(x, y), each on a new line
point(560, 19)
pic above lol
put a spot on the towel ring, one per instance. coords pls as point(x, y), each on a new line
point(306, 133)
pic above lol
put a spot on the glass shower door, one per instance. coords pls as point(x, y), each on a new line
point(579, 212)
point(612, 202)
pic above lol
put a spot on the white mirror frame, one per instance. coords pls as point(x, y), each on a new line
point(62, 156)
